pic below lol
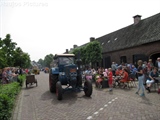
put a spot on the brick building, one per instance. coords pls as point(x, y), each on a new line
point(140, 40)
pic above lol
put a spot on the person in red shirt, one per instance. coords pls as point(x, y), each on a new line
point(110, 78)
point(26, 70)
point(118, 74)
point(124, 77)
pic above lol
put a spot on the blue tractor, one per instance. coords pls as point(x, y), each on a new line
point(65, 72)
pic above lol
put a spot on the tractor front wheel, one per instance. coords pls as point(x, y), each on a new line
point(59, 90)
point(88, 88)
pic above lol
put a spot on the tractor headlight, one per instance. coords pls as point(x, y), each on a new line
point(61, 73)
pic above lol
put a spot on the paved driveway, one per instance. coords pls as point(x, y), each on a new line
point(37, 103)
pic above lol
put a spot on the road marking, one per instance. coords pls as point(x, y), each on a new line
point(90, 117)
point(110, 102)
point(96, 113)
point(105, 105)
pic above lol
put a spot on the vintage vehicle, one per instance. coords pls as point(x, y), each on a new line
point(36, 70)
point(66, 72)
point(30, 79)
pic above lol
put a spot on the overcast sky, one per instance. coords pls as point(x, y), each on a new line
point(41, 27)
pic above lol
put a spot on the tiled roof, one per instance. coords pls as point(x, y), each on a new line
point(146, 31)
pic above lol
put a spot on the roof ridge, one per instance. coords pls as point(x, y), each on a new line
point(130, 25)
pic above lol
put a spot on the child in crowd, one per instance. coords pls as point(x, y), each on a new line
point(110, 78)
point(99, 80)
point(105, 73)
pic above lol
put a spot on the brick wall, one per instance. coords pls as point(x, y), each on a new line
point(146, 49)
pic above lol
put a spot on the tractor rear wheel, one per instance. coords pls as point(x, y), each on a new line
point(59, 90)
point(88, 88)
point(52, 82)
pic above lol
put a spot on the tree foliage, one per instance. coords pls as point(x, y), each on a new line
point(41, 62)
point(10, 55)
point(48, 59)
point(91, 53)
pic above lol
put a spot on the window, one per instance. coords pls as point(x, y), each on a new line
point(137, 57)
point(107, 62)
point(66, 60)
point(123, 59)
point(102, 63)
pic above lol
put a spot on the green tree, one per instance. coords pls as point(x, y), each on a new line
point(26, 62)
point(3, 61)
point(90, 53)
point(41, 62)
point(75, 51)
point(18, 57)
point(48, 59)
point(83, 55)
point(82, 51)
point(21, 59)
point(8, 47)
point(12, 56)
point(93, 52)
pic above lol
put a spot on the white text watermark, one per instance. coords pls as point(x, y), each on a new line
point(14, 4)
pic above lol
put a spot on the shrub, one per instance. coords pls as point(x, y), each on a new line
point(8, 94)
point(21, 79)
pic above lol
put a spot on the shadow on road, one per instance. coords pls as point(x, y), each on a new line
point(46, 96)
point(84, 97)
point(69, 98)
point(146, 101)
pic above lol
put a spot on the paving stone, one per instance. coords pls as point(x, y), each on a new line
point(37, 103)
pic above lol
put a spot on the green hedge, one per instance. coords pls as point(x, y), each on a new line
point(8, 93)
point(21, 79)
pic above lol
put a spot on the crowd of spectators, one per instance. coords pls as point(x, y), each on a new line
point(9, 74)
point(144, 71)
